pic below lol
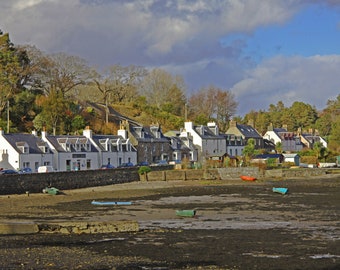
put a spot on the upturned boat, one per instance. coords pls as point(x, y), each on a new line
point(186, 213)
point(110, 203)
point(247, 178)
point(280, 190)
point(51, 190)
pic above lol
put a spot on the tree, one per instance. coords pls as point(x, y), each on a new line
point(13, 70)
point(213, 103)
point(303, 114)
point(118, 84)
point(59, 72)
point(161, 88)
point(278, 147)
point(24, 110)
point(249, 150)
point(53, 111)
point(276, 113)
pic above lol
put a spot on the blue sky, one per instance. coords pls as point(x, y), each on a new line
point(262, 51)
point(314, 30)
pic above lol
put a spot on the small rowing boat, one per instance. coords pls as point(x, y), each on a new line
point(186, 213)
point(247, 178)
point(110, 203)
point(51, 190)
point(280, 190)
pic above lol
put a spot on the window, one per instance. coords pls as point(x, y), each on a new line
point(26, 165)
point(68, 165)
point(88, 164)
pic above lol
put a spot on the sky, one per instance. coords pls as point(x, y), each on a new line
point(263, 51)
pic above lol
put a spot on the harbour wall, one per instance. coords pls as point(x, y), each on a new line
point(36, 182)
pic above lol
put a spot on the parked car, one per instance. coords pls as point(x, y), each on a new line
point(160, 163)
point(107, 166)
point(8, 171)
point(143, 163)
point(126, 164)
point(25, 170)
point(45, 169)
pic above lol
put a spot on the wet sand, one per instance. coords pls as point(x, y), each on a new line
point(239, 225)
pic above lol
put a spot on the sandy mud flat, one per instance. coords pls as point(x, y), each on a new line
point(237, 225)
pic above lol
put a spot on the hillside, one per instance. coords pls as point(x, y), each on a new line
point(94, 113)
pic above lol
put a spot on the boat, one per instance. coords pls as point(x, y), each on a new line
point(110, 203)
point(247, 178)
point(186, 213)
point(280, 190)
point(51, 190)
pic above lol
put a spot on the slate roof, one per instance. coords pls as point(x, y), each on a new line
point(148, 134)
point(33, 142)
point(248, 131)
point(57, 140)
point(98, 141)
point(206, 133)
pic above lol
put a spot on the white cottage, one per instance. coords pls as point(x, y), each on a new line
point(19, 151)
point(113, 150)
point(207, 139)
point(71, 152)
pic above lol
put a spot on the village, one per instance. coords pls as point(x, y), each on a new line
point(135, 145)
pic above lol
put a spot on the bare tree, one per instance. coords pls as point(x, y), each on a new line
point(119, 84)
point(161, 89)
point(212, 103)
point(59, 72)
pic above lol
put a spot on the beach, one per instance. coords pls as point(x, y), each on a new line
point(238, 225)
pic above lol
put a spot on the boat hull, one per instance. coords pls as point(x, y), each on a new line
point(280, 190)
point(247, 178)
point(186, 213)
point(51, 190)
point(110, 203)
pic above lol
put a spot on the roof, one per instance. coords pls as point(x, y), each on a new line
point(248, 131)
point(58, 139)
point(17, 139)
point(98, 139)
point(206, 133)
point(149, 134)
point(264, 156)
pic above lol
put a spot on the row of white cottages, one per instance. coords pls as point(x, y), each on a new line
point(132, 144)
point(90, 151)
point(65, 152)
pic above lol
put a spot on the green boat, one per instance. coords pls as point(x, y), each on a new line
point(51, 190)
point(186, 213)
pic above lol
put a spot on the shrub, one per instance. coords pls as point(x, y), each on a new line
point(144, 170)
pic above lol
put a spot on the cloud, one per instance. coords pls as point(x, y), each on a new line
point(289, 79)
point(181, 36)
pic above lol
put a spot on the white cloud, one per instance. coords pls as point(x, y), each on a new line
point(312, 80)
point(182, 36)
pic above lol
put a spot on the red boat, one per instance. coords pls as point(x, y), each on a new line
point(247, 178)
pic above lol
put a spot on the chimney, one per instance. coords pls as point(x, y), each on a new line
point(87, 132)
point(232, 123)
point(270, 127)
point(123, 132)
point(43, 133)
point(251, 123)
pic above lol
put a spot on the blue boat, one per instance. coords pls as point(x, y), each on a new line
point(110, 203)
point(280, 190)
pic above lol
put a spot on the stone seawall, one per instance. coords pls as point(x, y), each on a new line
point(36, 182)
